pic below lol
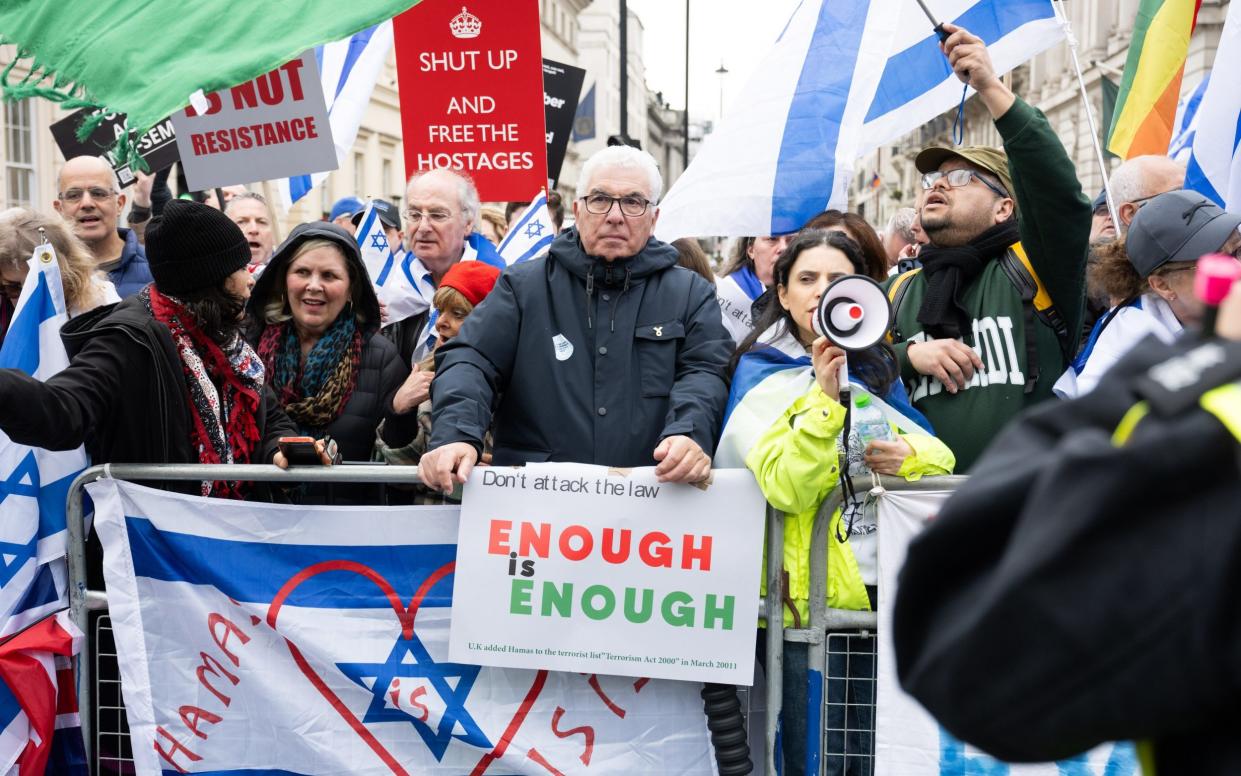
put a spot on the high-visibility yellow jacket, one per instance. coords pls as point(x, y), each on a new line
point(797, 465)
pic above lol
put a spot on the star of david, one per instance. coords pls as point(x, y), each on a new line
point(22, 481)
point(421, 665)
point(534, 229)
point(379, 241)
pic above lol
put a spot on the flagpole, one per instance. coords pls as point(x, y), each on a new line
point(1058, 5)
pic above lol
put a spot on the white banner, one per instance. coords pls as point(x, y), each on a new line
point(585, 568)
point(908, 742)
point(314, 640)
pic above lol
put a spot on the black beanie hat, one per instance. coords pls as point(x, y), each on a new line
point(191, 246)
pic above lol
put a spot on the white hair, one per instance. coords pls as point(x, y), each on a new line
point(902, 223)
point(626, 157)
point(467, 193)
point(1130, 181)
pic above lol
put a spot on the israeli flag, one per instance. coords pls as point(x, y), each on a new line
point(394, 274)
point(348, 69)
point(281, 639)
point(844, 77)
point(34, 482)
point(531, 236)
point(1186, 125)
point(1215, 162)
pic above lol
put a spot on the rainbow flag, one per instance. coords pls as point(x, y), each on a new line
point(1146, 108)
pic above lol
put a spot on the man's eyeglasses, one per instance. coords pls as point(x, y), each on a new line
point(958, 178)
point(630, 205)
point(434, 217)
point(96, 192)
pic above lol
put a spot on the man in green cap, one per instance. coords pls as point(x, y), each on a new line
point(990, 321)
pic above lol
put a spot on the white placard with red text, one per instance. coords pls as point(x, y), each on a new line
point(573, 567)
point(274, 126)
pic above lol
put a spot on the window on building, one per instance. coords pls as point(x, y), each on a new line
point(325, 197)
point(18, 154)
point(387, 177)
point(359, 175)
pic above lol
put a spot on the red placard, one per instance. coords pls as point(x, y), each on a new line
point(471, 83)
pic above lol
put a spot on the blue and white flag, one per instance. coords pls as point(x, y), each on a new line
point(1186, 125)
point(844, 77)
point(1215, 163)
point(34, 482)
point(258, 638)
point(531, 236)
point(348, 69)
point(397, 283)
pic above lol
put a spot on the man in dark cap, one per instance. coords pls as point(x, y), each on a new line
point(164, 376)
point(992, 319)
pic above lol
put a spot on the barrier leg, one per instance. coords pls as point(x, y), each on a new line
point(775, 632)
point(78, 612)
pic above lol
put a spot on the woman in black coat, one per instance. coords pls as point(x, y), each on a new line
point(314, 320)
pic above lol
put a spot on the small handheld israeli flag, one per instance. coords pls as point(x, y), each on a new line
point(531, 236)
point(396, 285)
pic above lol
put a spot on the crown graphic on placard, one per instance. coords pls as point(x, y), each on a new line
point(465, 25)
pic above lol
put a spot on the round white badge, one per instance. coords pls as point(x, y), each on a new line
point(564, 348)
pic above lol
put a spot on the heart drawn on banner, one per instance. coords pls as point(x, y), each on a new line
point(406, 616)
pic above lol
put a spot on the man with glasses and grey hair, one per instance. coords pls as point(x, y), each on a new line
point(89, 200)
point(604, 351)
point(441, 208)
point(991, 320)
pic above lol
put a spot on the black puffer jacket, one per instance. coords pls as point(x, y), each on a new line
point(381, 371)
point(588, 361)
point(1077, 590)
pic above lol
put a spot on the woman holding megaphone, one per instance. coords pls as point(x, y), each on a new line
point(785, 421)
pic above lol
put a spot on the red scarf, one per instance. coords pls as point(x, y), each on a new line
point(239, 396)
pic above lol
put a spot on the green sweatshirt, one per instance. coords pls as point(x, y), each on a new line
point(1055, 228)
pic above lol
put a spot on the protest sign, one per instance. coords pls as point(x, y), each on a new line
point(908, 742)
point(471, 81)
point(272, 127)
point(157, 146)
point(583, 568)
point(562, 86)
point(274, 638)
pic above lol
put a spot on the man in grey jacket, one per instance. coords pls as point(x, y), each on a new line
point(604, 351)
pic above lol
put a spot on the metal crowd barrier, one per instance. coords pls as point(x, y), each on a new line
point(102, 712)
point(108, 718)
point(840, 633)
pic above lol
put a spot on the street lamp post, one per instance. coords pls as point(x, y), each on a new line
point(685, 114)
point(721, 72)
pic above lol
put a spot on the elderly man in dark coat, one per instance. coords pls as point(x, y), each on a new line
point(604, 351)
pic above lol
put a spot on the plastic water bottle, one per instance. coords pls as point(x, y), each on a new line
point(870, 422)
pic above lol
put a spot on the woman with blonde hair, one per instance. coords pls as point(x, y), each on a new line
point(85, 287)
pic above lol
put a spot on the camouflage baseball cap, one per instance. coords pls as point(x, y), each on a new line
point(993, 160)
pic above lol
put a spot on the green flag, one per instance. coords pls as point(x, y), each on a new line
point(145, 58)
point(1111, 90)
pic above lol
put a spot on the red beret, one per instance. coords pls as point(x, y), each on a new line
point(473, 279)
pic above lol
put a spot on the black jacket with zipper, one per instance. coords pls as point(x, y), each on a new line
point(642, 356)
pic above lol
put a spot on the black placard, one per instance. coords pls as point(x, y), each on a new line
point(562, 86)
point(158, 146)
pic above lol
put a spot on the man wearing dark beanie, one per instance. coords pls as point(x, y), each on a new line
point(164, 376)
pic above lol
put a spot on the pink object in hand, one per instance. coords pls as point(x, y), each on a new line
point(1215, 276)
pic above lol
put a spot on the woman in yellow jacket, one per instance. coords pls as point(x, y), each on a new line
point(785, 422)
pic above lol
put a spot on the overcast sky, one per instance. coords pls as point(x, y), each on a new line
point(737, 32)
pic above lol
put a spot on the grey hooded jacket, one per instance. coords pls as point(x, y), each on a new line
point(585, 360)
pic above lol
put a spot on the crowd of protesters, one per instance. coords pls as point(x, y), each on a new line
point(195, 338)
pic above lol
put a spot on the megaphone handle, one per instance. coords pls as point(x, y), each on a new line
point(842, 379)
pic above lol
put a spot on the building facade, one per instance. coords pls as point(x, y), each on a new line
point(1103, 29)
